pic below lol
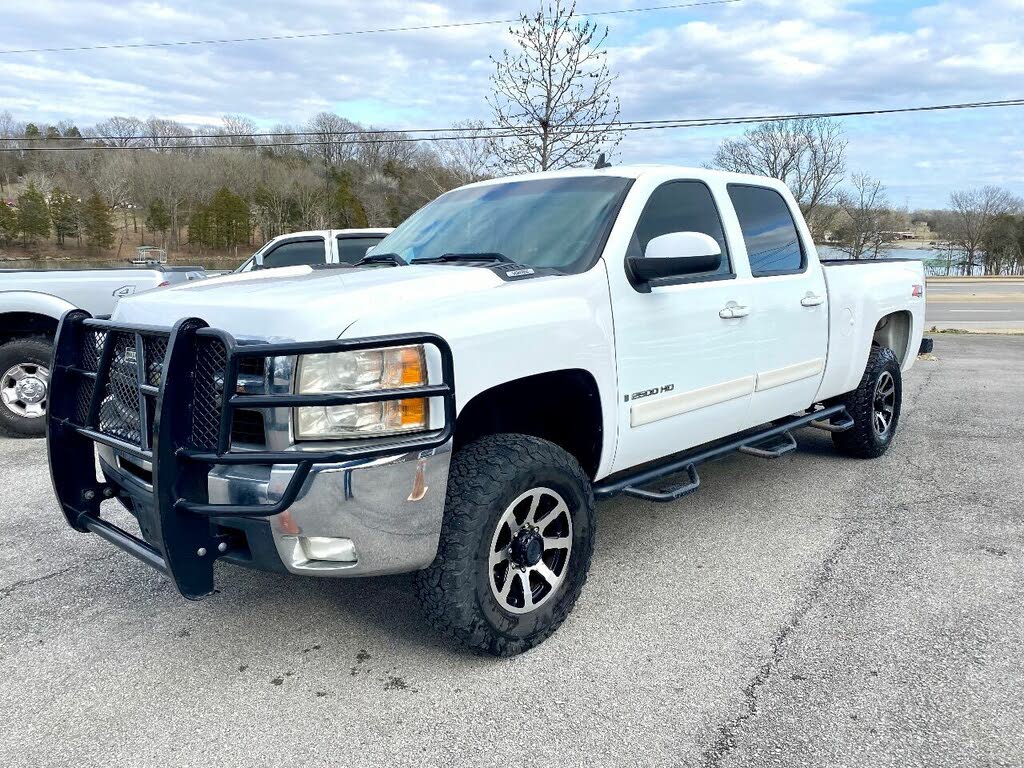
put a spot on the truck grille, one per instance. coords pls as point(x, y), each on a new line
point(120, 416)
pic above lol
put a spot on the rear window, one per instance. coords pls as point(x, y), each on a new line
point(352, 249)
point(769, 232)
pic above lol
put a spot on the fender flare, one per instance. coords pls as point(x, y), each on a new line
point(33, 302)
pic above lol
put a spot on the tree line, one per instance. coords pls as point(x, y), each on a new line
point(179, 192)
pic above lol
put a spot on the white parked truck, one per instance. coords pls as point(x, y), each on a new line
point(454, 405)
point(31, 304)
point(317, 246)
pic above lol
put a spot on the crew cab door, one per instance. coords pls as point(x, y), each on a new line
point(685, 352)
point(290, 252)
point(789, 302)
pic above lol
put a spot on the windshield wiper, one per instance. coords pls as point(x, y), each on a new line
point(382, 258)
point(499, 258)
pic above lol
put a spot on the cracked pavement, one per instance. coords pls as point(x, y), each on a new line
point(813, 610)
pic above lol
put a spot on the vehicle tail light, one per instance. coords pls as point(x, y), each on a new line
point(917, 292)
point(164, 284)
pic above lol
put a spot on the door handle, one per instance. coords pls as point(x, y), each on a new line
point(810, 300)
point(733, 311)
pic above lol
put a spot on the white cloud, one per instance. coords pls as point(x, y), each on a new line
point(758, 56)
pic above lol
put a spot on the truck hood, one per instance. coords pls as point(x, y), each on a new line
point(302, 303)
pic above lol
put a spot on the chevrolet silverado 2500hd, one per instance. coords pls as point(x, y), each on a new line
point(454, 404)
point(31, 304)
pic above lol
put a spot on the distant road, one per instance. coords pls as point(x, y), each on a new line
point(975, 304)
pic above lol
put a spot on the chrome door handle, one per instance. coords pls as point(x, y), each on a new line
point(810, 300)
point(730, 312)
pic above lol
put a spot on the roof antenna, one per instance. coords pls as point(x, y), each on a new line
point(601, 163)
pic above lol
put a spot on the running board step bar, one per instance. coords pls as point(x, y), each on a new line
point(767, 443)
point(772, 447)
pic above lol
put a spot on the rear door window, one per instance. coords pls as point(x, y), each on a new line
point(295, 252)
point(773, 244)
point(352, 249)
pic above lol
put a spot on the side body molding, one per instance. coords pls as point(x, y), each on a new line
point(684, 402)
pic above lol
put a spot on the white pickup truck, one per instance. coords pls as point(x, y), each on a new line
point(453, 406)
point(31, 304)
point(315, 246)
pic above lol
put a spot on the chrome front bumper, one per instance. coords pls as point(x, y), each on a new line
point(374, 516)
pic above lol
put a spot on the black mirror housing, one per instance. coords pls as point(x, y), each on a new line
point(646, 269)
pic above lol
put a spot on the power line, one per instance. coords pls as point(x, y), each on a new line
point(308, 35)
point(398, 136)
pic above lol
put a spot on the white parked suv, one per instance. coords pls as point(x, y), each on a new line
point(454, 404)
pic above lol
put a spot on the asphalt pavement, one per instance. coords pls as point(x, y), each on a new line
point(813, 610)
point(976, 305)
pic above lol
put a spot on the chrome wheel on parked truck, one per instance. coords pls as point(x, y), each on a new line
point(24, 386)
point(530, 550)
point(515, 546)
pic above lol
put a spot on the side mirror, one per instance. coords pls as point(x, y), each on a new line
point(676, 254)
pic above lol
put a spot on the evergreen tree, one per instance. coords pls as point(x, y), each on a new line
point(8, 223)
point(347, 211)
point(199, 225)
point(33, 215)
point(157, 217)
point(99, 225)
point(228, 220)
point(64, 214)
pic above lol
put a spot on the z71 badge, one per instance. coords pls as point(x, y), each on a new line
point(648, 393)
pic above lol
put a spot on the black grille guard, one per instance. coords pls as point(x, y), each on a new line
point(181, 539)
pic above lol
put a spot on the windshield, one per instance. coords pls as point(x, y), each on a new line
point(557, 223)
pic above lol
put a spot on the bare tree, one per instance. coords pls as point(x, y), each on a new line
point(9, 131)
point(865, 223)
point(234, 129)
point(463, 156)
point(808, 154)
point(121, 131)
point(163, 134)
point(975, 213)
point(553, 93)
point(332, 135)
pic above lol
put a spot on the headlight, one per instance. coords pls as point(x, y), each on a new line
point(366, 370)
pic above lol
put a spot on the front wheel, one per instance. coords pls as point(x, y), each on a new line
point(515, 546)
point(874, 406)
point(24, 386)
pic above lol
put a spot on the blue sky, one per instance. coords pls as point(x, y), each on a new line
point(748, 57)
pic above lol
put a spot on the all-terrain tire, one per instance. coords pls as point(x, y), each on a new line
point(865, 440)
point(30, 350)
point(485, 479)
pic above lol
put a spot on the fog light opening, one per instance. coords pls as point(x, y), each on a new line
point(327, 548)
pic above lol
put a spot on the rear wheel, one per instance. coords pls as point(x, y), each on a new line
point(24, 386)
point(515, 546)
point(874, 406)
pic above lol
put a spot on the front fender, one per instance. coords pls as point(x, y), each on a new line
point(33, 302)
point(521, 329)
